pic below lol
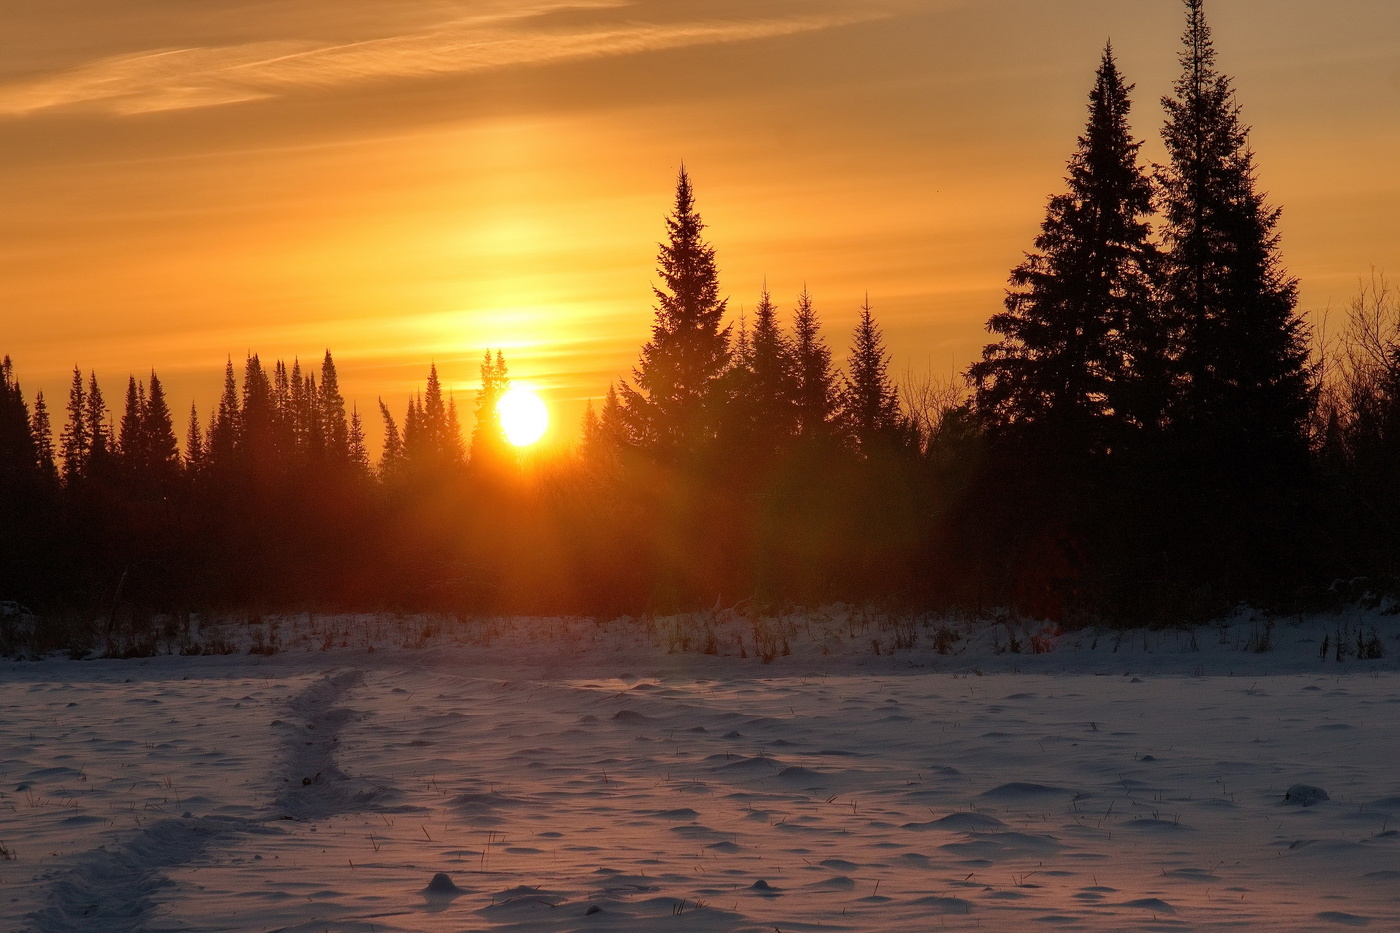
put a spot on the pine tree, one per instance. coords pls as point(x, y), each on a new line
point(1241, 364)
point(870, 404)
point(76, 441)
point(816, 394)
point(1080, 310)
point(676, 405)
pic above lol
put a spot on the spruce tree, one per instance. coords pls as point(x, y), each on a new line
point(221, 442)
point(131, 440)
point(1080, 310)
point(42, 431)
point(194, 444)
point(391, 460)
point(774, 380)
point(870, 412)
point(335, 430)
point(257, 428)
point(816, 393)
point(100, 453)
point(676, 405)
point(162, 451)
point(19, 455)
point(76, 441)
point(490, 449)
point(356, 451)
point(1244, 392)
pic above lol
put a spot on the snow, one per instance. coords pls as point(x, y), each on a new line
point(417, 774)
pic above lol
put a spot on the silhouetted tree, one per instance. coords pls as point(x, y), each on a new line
point(194, 444)
point(131, 439)
point(162, 449)
point(99, 462)
point(356, 451)
point(391, 459)
point(816, 393)
point(331, 410)
point(19, 454)
point(870, 412)
point(76, 441)
point(767, 385)
point(257, 443)
point(490, 449)
point(221, 443)
point(42, 431)
point(1244, 393)
point(1080, 311)
point(675, 407)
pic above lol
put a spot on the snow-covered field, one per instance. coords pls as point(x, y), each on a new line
point(647, 775)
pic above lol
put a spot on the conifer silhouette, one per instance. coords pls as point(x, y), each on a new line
point(1080, 310)
point(870, 402)
point(490, 450)
point(76, 441)
point(816, 393)
point(677, 402)
point(1241, 363)
point(41, 429)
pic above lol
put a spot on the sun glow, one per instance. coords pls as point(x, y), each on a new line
point(524, 416)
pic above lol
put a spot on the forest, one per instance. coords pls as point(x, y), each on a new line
point(1154, 434)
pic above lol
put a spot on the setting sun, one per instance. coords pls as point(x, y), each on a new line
point(524, 416)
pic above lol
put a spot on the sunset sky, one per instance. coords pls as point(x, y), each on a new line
point(416, 181)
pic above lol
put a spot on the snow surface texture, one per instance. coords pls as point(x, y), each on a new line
point(387, 775)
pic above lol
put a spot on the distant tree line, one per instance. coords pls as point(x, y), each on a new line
point(1153, 433)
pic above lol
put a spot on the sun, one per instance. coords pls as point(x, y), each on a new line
point(523, 416)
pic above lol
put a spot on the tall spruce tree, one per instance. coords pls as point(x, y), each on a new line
point(221, 441)
point(1080, 312)
point(774, 379)
point(391, 460)
point(194, 445)
point(42, 430)
point(162, 451)
point(356, 450)
point(870, 412)
point(257, 425)
point(99, 463)
point(490, 450)
point(75, 440)
point(816, 391)
point(19, 455)
point(335, 429)
point(676, 405)
point(1244, 392)
point(131, 439)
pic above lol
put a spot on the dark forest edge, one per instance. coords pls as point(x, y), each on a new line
point(1154, 436)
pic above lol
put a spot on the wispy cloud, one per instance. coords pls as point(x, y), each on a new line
point(172, 79)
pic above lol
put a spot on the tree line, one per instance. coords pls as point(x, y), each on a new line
point(1153, 432)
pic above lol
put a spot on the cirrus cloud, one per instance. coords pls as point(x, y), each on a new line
point(207, 76)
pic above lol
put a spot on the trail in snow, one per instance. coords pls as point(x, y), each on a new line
point(114, 889)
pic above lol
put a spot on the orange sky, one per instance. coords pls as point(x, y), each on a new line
point(417, 181)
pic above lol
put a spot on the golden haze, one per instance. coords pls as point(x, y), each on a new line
point(416, 184)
